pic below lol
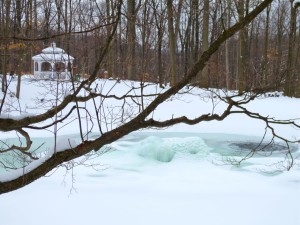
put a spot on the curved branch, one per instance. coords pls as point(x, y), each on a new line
point(55, 122)
point(267, 120)
point(139, 121)
point(18, 38)
point(94, 95)
point(23, 150)
point(184, 119)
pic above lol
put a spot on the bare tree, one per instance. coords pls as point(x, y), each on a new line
point(241, 63)
point(6, 5)
point(109, 14)
point(227, 55)
point(172, 42)
point(159, 17)
point(266, 48)
point(204, 81)
point(290, 89)
point(132, 8)
point(129, 113)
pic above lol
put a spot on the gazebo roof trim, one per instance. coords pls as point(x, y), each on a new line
point(53, 50)
point(52, 57)
point(53, 54)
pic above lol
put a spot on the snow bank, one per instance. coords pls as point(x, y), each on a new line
point(14, 174)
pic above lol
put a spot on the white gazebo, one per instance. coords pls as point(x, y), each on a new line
point(52, 63)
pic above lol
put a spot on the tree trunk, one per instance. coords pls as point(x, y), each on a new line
point(159, 23)
point(289, 88)
point(109, 14)
point(46, 28)
point(5, 42)
point(241, 77)
point(279, 39)
point(35, 23)
point(19, 61)
point(197, 29)
point(227, 52)
point(131, 35)
point(172, 44)
point(204, 80)
point(58, 4)
point(264, 80)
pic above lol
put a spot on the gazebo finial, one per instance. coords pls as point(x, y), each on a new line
point(53, 44)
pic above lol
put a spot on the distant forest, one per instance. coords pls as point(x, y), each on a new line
point(158, 41)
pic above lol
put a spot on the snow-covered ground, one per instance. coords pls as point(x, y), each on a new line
point(179, 175)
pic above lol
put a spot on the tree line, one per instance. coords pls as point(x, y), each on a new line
point(158, 41)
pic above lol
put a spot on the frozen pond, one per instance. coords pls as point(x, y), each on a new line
point(170, 147)
point(164, 178)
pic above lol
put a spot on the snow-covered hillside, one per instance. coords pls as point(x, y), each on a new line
point(179, 175)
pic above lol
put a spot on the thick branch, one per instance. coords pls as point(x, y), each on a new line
point(136, 123)
point(19, 38)
point(184, 119)
point(23, 150)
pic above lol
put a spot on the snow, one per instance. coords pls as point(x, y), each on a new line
point(178, 175)
point(19, 172)
point(65, 143)
point(18, 117)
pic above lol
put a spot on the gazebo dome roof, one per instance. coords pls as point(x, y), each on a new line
point(53, 49)
point(53, 54)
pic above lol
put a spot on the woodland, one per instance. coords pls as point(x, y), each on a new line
point(236, 50)
point(158, 41)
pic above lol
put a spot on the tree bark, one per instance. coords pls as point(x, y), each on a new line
point(159, 24)
point(264, 80)
point(109, 14)
point(227, 51)
point(172, 43)
point(241, 64)
point(5, 42)
point(204, 79)
point(131, 39)
point(289, 88)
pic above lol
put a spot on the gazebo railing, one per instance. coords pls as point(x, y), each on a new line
point(53, 75)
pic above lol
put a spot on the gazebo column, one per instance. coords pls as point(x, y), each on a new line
point(72, 72)
point(66, 71)
point(52, 70)
point(38, 72)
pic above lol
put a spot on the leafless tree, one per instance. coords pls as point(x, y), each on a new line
point(131, 111)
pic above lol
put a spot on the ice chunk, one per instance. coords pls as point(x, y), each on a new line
point(189, 145)
point(164, 150)
point(153, 147)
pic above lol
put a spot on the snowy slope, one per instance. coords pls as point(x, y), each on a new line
point(179, 175)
